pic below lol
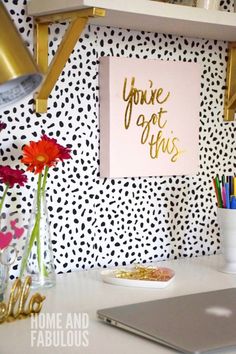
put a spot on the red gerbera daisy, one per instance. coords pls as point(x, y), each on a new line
point(64, 152)
point(11, 176)
point(38, 155)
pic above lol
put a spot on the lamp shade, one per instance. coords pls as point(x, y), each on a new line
point(19, 75)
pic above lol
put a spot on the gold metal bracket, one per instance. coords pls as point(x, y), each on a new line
point(230, 93)
point(78, 20)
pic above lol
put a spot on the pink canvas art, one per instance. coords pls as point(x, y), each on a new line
point(149, 117)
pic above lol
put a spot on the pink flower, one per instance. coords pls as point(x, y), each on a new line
point(11, 176)
point(64, 152)
point(2, 126)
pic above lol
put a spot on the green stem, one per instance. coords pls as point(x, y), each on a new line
point(35, 235)
point(45, 175)
point(31, 242)
point(3, 198)
point(40, 195)
point(45, 179)
point(38, 216)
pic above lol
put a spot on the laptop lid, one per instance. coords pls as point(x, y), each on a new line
point(194, 323)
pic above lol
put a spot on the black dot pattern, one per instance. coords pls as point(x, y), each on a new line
point(99, 222)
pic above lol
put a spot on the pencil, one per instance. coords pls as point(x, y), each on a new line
point(234, 191)
point(224, 196)
point(220, 203)
point(216, 192)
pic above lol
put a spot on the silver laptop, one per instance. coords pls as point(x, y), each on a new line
point(195, 323)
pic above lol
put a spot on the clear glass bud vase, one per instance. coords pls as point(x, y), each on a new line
point(4, 276)
point(37, 259)
point(10, 232)
point(7, 259)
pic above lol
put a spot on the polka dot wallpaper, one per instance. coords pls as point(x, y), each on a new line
point(99, 222)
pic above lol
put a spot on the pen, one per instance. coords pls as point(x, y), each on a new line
point(233, 202)
point(230, 185)
point(227, 195)
point(224, 196)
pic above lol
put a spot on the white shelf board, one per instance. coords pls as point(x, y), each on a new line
point(146, 15)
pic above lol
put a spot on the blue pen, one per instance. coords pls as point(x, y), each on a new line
point(233, 202)
point(227, 195)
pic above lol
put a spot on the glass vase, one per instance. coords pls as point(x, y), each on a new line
point(10, 232)
point(37, 260)
point(4, 276)
point(7, 259)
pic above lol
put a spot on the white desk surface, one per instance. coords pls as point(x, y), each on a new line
point(84, 291)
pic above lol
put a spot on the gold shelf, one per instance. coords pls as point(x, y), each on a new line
point(77, 22)
point(142, 15)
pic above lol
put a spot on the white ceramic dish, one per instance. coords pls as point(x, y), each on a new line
point(108, 276)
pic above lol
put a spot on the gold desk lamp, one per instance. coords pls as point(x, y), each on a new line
point(19, 75)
